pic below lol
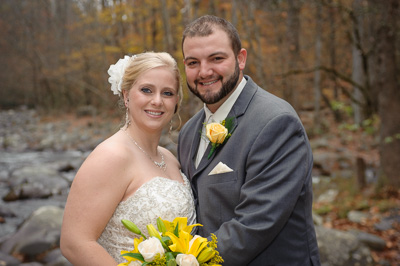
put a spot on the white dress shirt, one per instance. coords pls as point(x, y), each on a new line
point(217, 117)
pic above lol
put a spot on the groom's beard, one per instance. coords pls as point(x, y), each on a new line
point(225, 89)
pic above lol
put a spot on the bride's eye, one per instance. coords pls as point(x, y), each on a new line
point(169, 93)
point(146, 90)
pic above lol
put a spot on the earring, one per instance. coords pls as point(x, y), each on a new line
point(170, 129)
point(171, 137)
point(127, 120)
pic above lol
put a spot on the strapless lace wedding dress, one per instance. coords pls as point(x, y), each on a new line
point(159, 197)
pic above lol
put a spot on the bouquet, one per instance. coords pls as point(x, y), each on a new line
point(170, 245)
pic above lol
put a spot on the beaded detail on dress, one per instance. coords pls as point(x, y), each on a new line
point(159, 197)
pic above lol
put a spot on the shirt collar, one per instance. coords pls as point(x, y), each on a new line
point(223, 111)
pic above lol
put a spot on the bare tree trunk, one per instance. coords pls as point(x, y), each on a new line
point(317, 73)
point(212, 8)
point(255, 56)
point(332, 59)
point(154, 29)
point(196, 8)
point(143, 31)
point(332, 49)
point(191, 103)
point(234, 18)
point(358, 74)
point(293, 36)
point(360, 171)
point(386, 78)
point(259, 56)
point(168, 39)
point(187, 16)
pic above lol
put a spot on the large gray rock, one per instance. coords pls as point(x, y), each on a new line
point(39, 233)
point(372, 241)
point(327, 163)
point(37, 181)
point(8, 260)
point(387, 223)
point(339, 248)
point(328, 196)
point(358, 216)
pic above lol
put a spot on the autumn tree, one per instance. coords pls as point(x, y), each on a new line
point(385, 77)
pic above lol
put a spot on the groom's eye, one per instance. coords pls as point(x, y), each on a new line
point(218, 58)
point(191, 63)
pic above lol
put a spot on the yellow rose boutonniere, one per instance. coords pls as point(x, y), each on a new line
point(219, 133)
point(216, 132)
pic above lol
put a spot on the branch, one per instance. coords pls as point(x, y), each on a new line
point(336, 74)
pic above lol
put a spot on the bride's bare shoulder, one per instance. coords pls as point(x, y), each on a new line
point(113, 148)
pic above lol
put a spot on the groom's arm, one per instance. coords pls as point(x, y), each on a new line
point(278, 164)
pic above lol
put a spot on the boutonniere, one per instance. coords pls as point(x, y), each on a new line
point(219, 133)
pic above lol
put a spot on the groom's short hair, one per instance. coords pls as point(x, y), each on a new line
point(204, 26)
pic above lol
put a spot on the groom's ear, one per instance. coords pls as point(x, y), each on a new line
point(242, 57)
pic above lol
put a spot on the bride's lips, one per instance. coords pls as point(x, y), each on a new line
point(154, 113)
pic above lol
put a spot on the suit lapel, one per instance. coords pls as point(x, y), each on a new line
point(205, 161)
point(195, 143)
point(237, 111)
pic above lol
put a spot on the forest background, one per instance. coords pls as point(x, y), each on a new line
point(336, 61)
point(336, 55)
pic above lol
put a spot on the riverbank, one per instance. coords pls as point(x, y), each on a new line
point(39, 157)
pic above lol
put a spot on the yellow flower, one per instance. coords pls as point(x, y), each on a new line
point(181, 243)
point(197, 244)
point(129, 259)
point(182, 225)
point(216, 133)
point(206, 255)
point(187, 244)
point(153, 231)
point(219, 133)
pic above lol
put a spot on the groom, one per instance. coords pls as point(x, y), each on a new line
point(254, 191)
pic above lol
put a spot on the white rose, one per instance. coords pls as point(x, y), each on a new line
point(150, 248)
point(186, 260)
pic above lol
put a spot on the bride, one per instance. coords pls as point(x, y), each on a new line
point(128, 176)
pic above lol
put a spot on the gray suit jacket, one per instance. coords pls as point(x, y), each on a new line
point(261, 211)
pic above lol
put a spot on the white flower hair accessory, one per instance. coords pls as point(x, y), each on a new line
point(116, 73)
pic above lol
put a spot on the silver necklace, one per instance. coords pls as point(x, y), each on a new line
point(162, 165)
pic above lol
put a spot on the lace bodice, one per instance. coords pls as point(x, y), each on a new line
point(159, 197)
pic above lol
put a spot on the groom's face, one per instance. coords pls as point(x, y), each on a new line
point(212, 69)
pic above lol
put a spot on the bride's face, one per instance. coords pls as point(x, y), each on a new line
point(153, 98)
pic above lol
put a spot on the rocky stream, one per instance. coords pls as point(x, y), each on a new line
point(38, 162)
